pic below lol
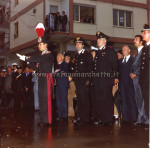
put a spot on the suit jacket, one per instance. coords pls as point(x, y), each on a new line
point(20, 85)
point(13, 83)
point(105, 66)
point(144, 69)
point(125, 71)
point(137, 63)
point(8, 81)
point(61, 76)
point(64, 19)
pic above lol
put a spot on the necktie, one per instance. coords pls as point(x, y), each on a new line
point(125, 60)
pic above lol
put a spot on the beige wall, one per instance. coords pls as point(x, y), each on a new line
point(21, 5)
point(104, 21)
point(27, 24)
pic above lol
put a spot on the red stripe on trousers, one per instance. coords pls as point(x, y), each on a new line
point(49, 77)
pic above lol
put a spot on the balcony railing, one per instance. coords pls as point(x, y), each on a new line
point(52, 24)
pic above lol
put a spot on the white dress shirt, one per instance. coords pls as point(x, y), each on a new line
point(127, 58)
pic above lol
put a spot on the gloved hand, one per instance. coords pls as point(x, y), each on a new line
point(21, 57)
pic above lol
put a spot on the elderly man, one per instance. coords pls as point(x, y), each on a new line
point(138, 42)
point(62, 87)
point(45, 81)
point(144, 69)
point(104, 68)
point(129, 109)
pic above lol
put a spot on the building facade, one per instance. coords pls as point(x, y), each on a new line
point(4, 32)
point(119, 19)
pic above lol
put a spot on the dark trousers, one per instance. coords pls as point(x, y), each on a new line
point(145, 94)
point(83, 102)
point(18, 101)
point(64, 27)
point(92, 107)
point(62, 100)
point(45, 100)
point(103, 103)
point(142, 118)
point(129, 109)
point(9, 99)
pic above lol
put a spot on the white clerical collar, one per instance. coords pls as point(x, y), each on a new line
point(81, 51)
point(139, 49)
point(43, 52)
point(148, 43)
point(127, 58)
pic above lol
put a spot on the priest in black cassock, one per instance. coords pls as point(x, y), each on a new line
point(45, 83)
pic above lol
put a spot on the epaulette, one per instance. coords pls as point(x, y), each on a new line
point(47, 52)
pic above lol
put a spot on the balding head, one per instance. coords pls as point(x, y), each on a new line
point(126, 50)
point(60, 58)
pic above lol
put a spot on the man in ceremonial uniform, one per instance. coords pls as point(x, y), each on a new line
point(45, 82)
point(104, 70)
point(144, 69)
point(82, 73)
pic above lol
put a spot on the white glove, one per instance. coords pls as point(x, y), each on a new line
point(21, 57)
point(93, 48)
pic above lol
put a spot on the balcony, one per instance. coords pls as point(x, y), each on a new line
point(57, 30)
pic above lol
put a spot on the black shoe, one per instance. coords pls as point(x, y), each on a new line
point(76, 120)
point(81, 123)
point(98, 123)
point(107, 123)
point(41, 124)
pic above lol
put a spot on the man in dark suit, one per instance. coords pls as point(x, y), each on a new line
point(8, 90)
point(19, 90)
point(62, 86)
point(29, 90)
point(64, 20)
point(45, 83)
point(138, 42)
point(129, 109)
point(144, 69)
point(104, 71)
point(82, 77)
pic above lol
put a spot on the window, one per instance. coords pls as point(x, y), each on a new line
point(122, 18)
point(53, 9)
point(16, 30)
point(16, 2)
point(84, 13)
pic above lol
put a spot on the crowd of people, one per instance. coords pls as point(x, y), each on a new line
point(87, 19)
point(93, 73)
point(60, 21)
